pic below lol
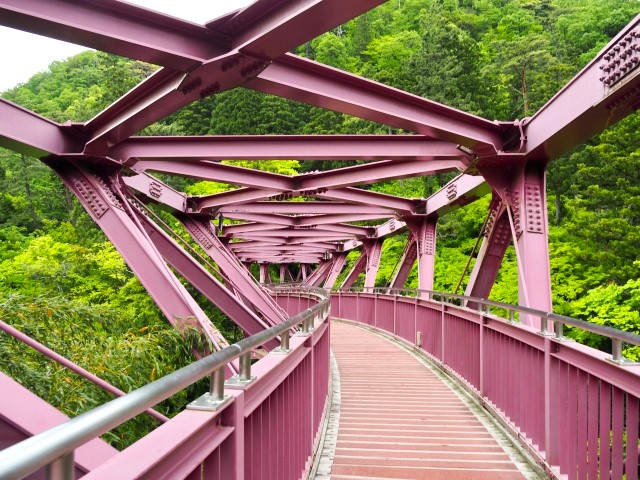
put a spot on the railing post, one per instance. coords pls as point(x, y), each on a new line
point(62, 468)
point(244, 377)
point(442, 334)
point(375, 309)
point(284, 348)
point(482, 362)
point(216, 385)
point(215, 397)
point(395, 310)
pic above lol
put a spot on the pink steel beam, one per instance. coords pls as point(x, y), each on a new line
point(309, 182)
point(232, 197)
point(304, 80)
point(337, 264)
point(157, 191)
point(264, 273)
point(117, 27)
point(267, 29)
point(282, 258)
point(375, 172)
point(358, 267)
point(207, 170)
point(26, 132)
point(274, 220)
point(270, 248)
point(319, 274)
point(315, 220)
point(273, 223)
point(423, 230)
point(203, 280)
point(340, 218)
point(24, 414)
point(109, 210)
point(308, 208)
point(211, 67)
point(237, 246)
point(406, 262)
point(299, 147)
point(268, 37)
point(494, 246)
point(373, 249)
point(236, 273)
point(231, 231)
point(459, 192)
point(604, 92)
point(296, 238)
point(366, 197)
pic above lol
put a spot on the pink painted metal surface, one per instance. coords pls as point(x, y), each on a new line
point(248, 48)
point(16, 426)
point(398, 420)
point(569, 405)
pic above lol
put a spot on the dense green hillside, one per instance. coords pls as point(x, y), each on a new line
point(500, 59)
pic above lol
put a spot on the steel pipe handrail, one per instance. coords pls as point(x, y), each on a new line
point(59, 442)
point(484, 304)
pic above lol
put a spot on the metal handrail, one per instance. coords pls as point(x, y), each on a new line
point(483, 305)
point(58, 443)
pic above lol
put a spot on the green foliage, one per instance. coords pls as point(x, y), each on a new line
point(98, 340)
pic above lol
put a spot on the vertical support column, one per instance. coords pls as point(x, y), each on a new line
point(424, 232)
point(373, 249)
point(337, 263)
point(518, 212)
point(264, 272)
point(532, 227)
point(283, 270)
point(303, 268)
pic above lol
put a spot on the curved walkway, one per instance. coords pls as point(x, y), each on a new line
point(398, 420)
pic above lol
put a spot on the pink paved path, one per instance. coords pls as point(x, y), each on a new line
point(399, 420)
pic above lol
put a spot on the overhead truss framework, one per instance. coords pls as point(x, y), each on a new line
point(314, 218)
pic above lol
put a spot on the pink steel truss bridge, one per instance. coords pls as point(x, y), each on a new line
point(314, 220)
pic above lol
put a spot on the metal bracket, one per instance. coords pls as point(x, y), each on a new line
point(623, 362)
point(208, 403)
point(280, 351)
point(238, 383)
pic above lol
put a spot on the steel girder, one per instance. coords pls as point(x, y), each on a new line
point(405, 263)
point(248, 48)
point(108, 206)
point(423, 230)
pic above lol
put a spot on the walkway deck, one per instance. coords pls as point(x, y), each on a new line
point(397, 419)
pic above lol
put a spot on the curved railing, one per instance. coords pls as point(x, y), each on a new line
point(574, 408)
point(289, 386)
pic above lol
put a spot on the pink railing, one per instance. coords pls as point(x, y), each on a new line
point(262, 424)
point(573, 407)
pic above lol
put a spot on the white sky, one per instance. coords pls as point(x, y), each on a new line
point(24, 54)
